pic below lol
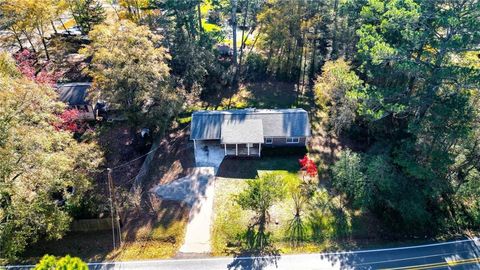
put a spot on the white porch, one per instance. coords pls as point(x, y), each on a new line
point(243, 149)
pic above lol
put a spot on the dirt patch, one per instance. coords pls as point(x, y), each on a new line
point(173, 159)
point(123, 153)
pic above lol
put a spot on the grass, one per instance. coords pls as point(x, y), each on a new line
point(157, 243)
point(159, 238)
point(329, 225)
point(69, 23)
point(273, 159)
point(270, 95)
point(210, 27)
point(230, 220)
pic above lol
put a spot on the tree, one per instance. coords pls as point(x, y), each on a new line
point(294, 37)
point(14, 17)
point(336, 93)
point(194, 61)
point(39, 16)
point(42, 169)
point(87, 13)
point(299, 191)
point(130, 72)
point(308, 166)
point(49, 262)
point(348, 177)
point(421, 99)
point(134, 10)
point(261, 193)
point(27, 62)
point(26, 17)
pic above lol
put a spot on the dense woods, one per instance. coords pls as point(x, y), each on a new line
point(398, 79)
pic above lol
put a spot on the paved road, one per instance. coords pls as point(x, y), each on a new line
point(458, 255)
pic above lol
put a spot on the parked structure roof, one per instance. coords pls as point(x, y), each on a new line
point(207, 125)
point(73, 93)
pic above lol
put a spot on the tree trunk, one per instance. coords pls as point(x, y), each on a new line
point(199, 17)
point(312, 63)
point(29, 41)
point(53, 27)
point(17, 37)
point(45, 48)
point(63, 25)
point(234, 32)
point(334, 54)
point(42, 37)
point(242, 44)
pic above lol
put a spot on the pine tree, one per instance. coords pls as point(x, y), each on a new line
point(87, 13)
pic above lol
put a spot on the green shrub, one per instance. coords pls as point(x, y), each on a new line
point(49, 262)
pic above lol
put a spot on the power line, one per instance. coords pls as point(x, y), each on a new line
point(146, 154)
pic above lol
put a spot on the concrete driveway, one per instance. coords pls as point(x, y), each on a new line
point(209, 154)
point(196, 190)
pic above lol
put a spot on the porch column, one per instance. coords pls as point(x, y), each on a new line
point(248, 149)
point(225, 148)
point(259, 149)
point(195, 150)
point(236, 149)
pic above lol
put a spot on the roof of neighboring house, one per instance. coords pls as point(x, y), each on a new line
point(207, 125)
point(73, 93)
point(245, 131)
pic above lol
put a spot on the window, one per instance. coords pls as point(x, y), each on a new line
point(268, 140)
point(293, 140)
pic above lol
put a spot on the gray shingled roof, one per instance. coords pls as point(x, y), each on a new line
point(73, 93)
point(245, 131)
point(207, 125)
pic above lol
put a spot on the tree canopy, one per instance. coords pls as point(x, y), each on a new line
point(42, 169)
point(130, 72)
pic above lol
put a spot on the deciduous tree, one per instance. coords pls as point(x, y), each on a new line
point(42, 169)
point(130, 71)
point(261, 193)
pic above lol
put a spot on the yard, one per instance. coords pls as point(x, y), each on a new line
point(154, 229)
point(157, 237)
point(329, 225)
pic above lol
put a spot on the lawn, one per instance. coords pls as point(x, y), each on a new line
point(230, 220)
point(147, 238)
point(329, 225)
point(268, 95)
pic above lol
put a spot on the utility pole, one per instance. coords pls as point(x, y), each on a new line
point(114, 211)
point(109, 178)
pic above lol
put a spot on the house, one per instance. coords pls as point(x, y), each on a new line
point(75, 96)
point(245, 132)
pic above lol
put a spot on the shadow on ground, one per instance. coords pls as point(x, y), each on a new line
point(255, 260)
point(272, 159)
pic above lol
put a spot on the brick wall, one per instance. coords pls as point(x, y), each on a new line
point(281, 141)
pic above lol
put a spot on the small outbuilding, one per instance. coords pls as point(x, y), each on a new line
point(245, 132)
point(75, 96)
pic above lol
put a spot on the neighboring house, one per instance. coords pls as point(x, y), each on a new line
point(245, 132)
point(75, 95)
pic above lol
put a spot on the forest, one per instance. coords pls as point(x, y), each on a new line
point(396, 82)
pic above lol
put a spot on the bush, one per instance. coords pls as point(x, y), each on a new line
point(255, 67)
point(49, 262)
